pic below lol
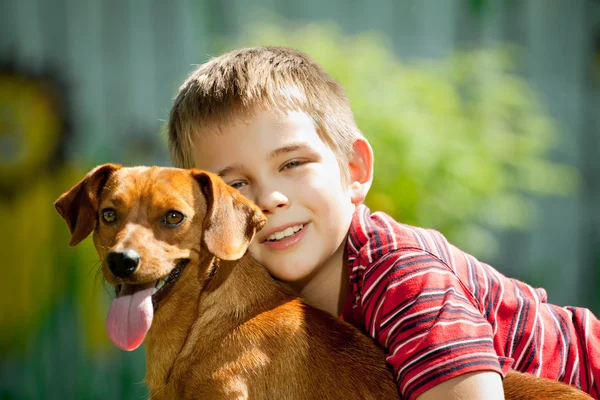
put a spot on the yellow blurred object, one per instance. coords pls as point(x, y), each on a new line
point(40, 271)
point(30, 127)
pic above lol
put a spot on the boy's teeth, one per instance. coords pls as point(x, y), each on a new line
point(287, 232)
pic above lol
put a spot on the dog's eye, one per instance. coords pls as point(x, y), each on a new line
point(109, 215)
point(173, 218)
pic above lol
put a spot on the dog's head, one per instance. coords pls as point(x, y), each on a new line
point(149, 223)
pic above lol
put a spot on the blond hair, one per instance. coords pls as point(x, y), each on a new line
point(240, 82)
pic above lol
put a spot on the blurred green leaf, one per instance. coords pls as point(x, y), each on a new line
point(461, 144)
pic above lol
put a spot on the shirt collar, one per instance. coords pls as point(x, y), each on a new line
point(358, 236)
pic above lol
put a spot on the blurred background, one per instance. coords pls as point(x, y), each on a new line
point(484, 116)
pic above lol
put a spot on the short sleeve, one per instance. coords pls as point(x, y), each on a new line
point(430, 325)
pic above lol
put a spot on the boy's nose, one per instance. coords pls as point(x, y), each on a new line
point(272, 200)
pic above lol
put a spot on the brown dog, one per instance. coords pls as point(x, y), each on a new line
point(216, 325)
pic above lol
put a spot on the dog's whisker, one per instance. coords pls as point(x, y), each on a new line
point(99, 278)
point(94, 269)
point(108, 288)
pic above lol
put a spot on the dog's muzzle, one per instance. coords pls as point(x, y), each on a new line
point(123, 263)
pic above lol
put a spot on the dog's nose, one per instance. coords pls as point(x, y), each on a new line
point(122, 263)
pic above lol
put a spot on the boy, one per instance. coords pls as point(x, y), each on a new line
point(279, 129)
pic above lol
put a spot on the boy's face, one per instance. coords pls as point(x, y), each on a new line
point(279, 161)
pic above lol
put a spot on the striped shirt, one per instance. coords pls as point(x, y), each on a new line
point(440, 313)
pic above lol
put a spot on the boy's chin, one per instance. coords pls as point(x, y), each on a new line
point(293, 275)
point(291, 279)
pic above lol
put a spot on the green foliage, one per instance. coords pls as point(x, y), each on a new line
point(461, 144)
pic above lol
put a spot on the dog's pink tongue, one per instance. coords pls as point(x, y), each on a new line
point(130, 317)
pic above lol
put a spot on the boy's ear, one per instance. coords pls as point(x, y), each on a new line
point(361, 170)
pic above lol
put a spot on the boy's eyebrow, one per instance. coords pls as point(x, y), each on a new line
point(228, 169)
point(288, 149)
point(277, 152)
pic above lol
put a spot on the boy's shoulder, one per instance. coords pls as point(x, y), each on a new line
point(376, 235)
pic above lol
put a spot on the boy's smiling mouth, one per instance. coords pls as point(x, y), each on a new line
point(286, 236)
point(284, 233)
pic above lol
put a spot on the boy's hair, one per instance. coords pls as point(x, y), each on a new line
point(238, 83)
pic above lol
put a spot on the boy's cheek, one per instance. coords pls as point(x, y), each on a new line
point(254, 243)
point(253, 249)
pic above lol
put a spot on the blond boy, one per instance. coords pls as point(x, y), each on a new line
point(279, 129)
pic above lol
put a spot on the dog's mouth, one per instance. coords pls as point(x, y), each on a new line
point(132, 310)
point(161, 288)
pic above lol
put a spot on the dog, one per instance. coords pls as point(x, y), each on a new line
point(214, 323)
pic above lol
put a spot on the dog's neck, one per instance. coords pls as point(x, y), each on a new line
point(210, 300)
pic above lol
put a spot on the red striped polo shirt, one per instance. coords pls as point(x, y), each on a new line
point(440, 313)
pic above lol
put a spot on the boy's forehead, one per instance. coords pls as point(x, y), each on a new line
point(256, 117)
point(256, 138)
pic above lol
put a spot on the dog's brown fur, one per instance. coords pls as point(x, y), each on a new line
point(226, 329)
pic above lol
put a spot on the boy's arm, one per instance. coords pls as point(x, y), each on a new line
point(472, 386)
point(436, 336)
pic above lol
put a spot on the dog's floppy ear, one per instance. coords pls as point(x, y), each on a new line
point(231, 220)
point(79, 206)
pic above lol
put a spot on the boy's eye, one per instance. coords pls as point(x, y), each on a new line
point(292, 164)
point(237, 184)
